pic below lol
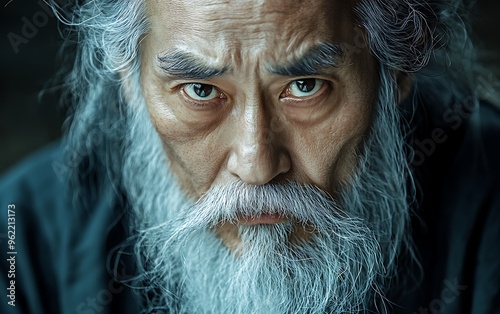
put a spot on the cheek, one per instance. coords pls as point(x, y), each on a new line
point(194, 156)
point(162, 115)
point(195, 162)
point(326, 154)
point(350, 135)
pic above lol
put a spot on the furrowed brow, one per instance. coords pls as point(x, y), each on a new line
point(179, 64)
point(315, 61)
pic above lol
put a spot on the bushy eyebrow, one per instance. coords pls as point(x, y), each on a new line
point(317, 60)
point(179, 64)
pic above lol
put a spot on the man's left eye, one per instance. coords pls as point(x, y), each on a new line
point(304, 87)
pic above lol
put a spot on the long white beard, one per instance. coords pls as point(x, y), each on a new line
point(343, 267)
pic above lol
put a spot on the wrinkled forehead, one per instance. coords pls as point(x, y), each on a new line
point(235, 29)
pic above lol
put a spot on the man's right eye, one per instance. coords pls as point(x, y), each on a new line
point(201, 92)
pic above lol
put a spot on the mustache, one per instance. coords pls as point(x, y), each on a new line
point(342, 248)
point(301, 203)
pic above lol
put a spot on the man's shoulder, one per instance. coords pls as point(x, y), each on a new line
point(33, 199)
point(36, 186)
point(466, 175)
point(61, 249)
point(476, 165)
point(458, 226)
point(35, 176)
point(456, 145)
point(481, 195)
point(485, 135)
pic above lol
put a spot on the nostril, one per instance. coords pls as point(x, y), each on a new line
point(285, 163)
point(232, 164)
point(258, 167)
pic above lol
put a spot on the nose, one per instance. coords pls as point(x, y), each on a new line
point(258, 155)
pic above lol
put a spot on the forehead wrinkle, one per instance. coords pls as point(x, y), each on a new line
point(255, 19)
point(240, 31)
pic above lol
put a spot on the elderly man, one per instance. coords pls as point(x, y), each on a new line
point(263, 157)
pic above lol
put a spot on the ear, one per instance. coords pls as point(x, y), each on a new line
point(405, 83)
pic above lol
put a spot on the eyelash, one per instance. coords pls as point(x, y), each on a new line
point(286, 92)
point(202, 104)
point(216, 101)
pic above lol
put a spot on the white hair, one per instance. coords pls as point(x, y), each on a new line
point(346, 266)
point(414, 37)
point(107, 151)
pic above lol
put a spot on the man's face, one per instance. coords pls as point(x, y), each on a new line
point(257, 91)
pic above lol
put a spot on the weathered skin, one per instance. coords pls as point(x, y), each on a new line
point(255, 130)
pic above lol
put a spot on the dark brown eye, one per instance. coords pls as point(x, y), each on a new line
point(305, 87)
point(200, 91)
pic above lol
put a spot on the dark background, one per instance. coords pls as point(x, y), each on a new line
point(28, 122)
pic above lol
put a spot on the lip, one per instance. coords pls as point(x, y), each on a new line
point(263, 219)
